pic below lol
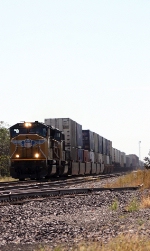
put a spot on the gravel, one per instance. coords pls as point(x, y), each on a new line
point(72, 219)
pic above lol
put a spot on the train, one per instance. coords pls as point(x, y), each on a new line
point(59, 147)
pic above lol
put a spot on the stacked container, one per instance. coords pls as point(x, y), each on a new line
point(104, 156)
point(86, 157)
point(82, 145)
point(134, 160)
point(107, 147)
point(100, 144)
point(123, 159)
point(92, 157)
point(95, 138)
point(100, 158)
point(79, 135)
point(73, 134)
point(96, 157)
point(104, 146)
point(128, 161)
point(110, 148)
point(88, 140)
point(113, 155)
point(116, 156)
point(80, 155)
point(68, 126)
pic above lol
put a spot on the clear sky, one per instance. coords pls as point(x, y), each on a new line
point(88, 60)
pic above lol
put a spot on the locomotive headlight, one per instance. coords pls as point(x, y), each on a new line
point(17, 155)
point(36, 155)
point(27, 124)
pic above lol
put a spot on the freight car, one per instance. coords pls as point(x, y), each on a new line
point(60, 147)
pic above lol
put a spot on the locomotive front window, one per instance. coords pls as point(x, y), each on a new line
point(16, 131)
point(38, 130)
point(42, 131)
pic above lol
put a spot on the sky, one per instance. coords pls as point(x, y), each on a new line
point(88, 60)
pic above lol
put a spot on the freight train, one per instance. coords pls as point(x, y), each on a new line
point(59, 147)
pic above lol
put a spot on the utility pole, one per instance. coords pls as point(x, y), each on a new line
point(139, 152)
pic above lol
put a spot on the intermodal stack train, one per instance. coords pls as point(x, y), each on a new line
point(60, 147)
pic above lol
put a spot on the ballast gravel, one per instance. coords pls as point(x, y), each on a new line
point(95, 217)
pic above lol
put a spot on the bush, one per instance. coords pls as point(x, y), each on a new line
point(4, 149)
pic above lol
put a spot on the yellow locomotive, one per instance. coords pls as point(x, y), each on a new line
point(36, 150)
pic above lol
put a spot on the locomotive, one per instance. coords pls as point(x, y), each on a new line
point(38, 150)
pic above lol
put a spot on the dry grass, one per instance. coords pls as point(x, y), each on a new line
point(6, 179)
point(121, 243)
point(133, 206)
point(132, 179)
point(145, 203)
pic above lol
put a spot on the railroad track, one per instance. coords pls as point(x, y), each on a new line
point(19, 194)
point(9, 186)
point(29, 194)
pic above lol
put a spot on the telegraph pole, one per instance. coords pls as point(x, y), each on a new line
point(139, 152)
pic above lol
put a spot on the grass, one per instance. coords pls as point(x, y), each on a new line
point(6, 179)
point(120, 243)
point(133, 206)
point(114, 205)
point(140, 222)
point(145, 203)
point(132, 179)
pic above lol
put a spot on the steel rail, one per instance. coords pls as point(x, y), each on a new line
point(61, 179)
point(9, 196)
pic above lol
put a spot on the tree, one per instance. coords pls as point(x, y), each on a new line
point(4, 149)
point(147, 161)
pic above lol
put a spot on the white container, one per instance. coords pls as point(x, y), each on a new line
point(104, 159)
point(117, 156)
point(100, 158)
point(107, 160)
point(57, 123)
point(68, 126)
point(92, 156)
point(123, 159)
point(96, 157)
